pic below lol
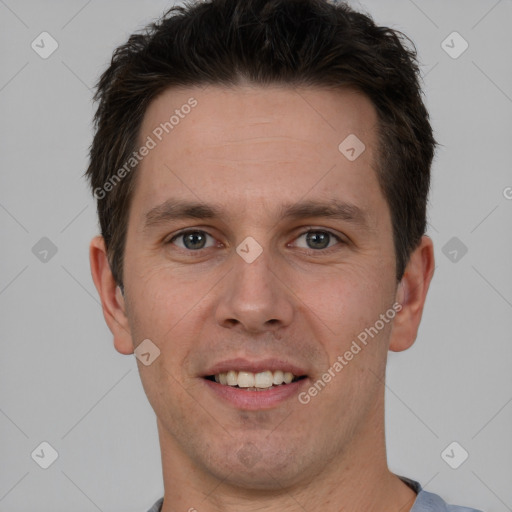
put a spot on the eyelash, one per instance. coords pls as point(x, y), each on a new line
point(308, 251)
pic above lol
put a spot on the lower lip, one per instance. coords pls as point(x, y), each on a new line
point(254, 400)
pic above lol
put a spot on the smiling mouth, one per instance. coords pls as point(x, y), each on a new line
point(250, 381)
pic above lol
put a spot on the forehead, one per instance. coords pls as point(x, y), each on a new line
point(226, 115)
point(252, 142)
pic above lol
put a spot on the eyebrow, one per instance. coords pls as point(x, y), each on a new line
point(178, 209)
point(333, 209)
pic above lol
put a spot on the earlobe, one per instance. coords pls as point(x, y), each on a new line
point(112, 298)
point(411, 295)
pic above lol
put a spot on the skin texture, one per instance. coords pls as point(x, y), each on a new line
point(250, 151)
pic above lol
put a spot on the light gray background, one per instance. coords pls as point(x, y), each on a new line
point(63, 382)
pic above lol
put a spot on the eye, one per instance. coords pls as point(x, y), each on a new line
point(317, 239)
point(192, 240)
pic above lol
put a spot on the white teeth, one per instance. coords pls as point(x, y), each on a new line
point(232, 378)
point(245, 380)
point(278, 377)
point(261, 380)
point(288, 377)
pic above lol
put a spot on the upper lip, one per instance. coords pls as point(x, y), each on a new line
point(241, 364)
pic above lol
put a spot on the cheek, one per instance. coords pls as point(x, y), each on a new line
point(171, 311)
point(160, 296)
point(346, 299)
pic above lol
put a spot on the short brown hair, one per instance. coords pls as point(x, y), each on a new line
point(295, 42)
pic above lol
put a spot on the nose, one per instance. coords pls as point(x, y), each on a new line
point(252, 297)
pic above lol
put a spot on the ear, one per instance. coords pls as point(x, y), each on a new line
point(411, 294)
point(112, 300)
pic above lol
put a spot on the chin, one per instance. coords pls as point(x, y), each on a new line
point(252, 469)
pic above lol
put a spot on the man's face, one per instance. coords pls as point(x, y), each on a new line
point(264, 164)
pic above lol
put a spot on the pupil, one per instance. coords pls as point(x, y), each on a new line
point(318, 239)
point(194, 240)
